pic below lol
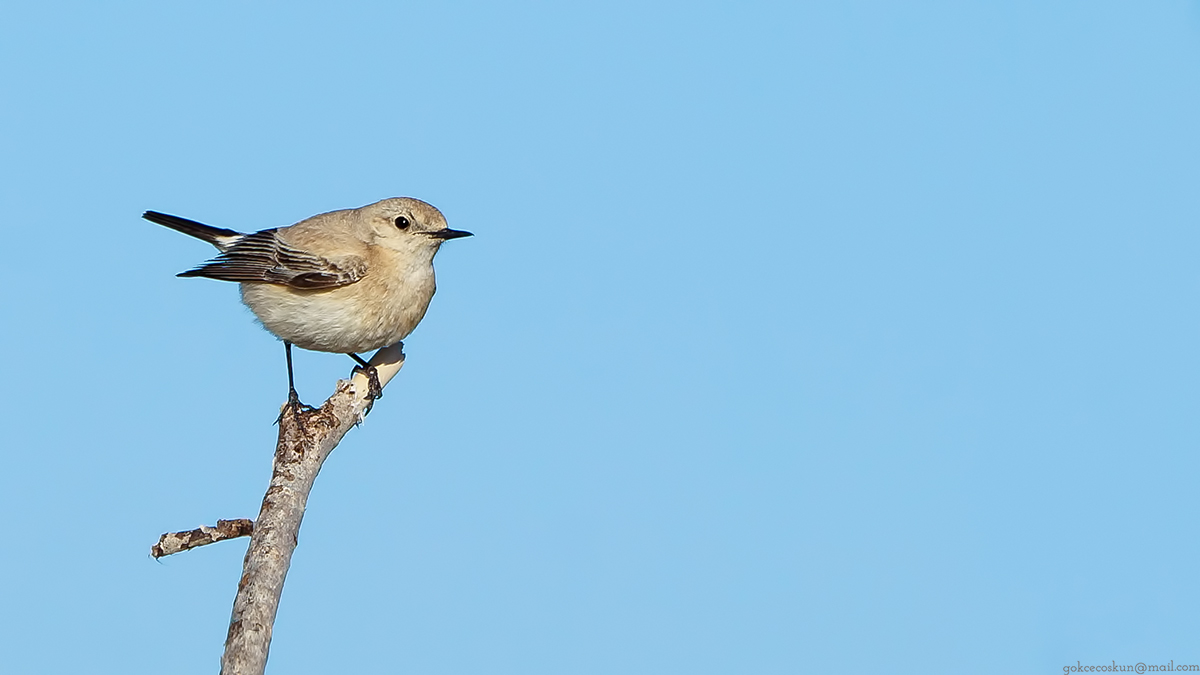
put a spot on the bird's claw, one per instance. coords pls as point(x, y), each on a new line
point(296, 407)
point(374, 388)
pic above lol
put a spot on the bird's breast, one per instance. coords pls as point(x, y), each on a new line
point(377, 311)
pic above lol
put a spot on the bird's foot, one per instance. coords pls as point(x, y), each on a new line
point(374, 388)
point(296, 407)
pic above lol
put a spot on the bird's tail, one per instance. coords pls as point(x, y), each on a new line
point(217, 236)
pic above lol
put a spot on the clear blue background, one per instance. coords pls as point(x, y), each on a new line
point(796, 337)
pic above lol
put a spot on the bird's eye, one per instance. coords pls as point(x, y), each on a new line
point(402, 222)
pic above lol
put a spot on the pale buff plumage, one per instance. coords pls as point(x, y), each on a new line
point(345, 281)
point(379, 309)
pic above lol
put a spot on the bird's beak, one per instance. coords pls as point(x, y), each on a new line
point(449, 234)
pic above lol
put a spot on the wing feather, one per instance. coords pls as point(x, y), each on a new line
point(263, 257)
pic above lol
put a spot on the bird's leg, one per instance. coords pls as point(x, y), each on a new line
point(293, 398)
point(375, 390)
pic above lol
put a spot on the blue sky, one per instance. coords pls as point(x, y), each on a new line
point(796, 337)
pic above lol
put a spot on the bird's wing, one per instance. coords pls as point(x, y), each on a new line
point(264, 258)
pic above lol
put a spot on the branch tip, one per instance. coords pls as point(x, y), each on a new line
point(177, 542)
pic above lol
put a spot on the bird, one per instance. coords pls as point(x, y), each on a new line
point(346, 282)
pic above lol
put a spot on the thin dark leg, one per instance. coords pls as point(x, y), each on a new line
point(293, 398)
point(292, 395)
point(375, 390)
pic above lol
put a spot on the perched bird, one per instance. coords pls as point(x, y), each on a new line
point(345, 281)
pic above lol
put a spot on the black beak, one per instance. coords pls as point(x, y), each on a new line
point(449, 234)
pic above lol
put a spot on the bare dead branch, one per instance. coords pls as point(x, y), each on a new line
point(305, 441)
point(175, 542)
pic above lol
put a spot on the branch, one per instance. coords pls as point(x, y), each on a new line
point(175, 542)
point(305, 440)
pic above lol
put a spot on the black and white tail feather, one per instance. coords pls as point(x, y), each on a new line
point(217, 236)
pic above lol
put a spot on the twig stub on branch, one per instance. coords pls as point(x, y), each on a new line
point(176, 542)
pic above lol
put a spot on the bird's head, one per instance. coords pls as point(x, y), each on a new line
point(407, 224)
